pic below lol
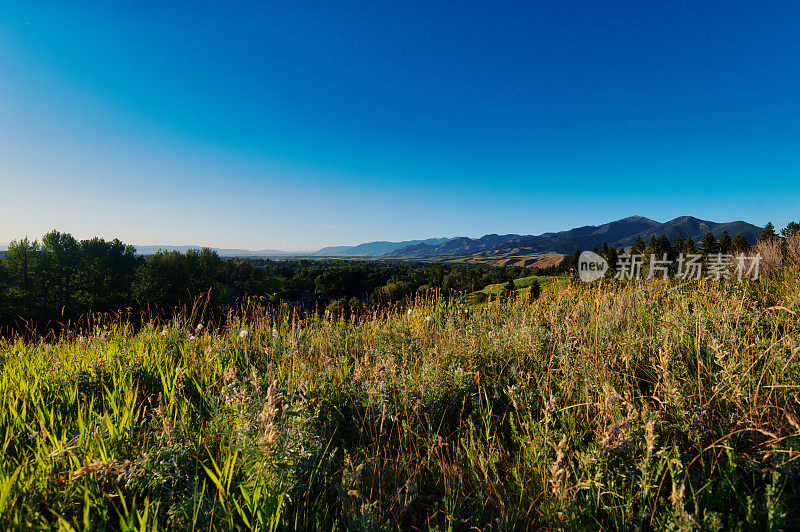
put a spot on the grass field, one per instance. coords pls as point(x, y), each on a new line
point(647, 405)
point(523, 283)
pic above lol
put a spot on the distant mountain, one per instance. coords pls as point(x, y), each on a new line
point(368, 249)
point(696, 229)
point(620, 233)
point(585, 237)
point(456, 246)
point(375, 249)
point(222, 252)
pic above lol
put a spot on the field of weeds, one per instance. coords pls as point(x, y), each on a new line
point(647, 405)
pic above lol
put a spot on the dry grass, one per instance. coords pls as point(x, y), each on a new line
point(617, 406)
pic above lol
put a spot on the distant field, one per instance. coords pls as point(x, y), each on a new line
point(494, 258)
point(523, 283)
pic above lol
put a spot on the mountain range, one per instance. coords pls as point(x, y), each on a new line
point(619, 234)
point(375, 249)
point(367, 249)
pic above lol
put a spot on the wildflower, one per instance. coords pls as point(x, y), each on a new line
point(33, 435)
point(409, 312)
point(254, 377)
point(199, 327)
point(274, 333)
point(267, 416)
point(558, 475)
point(511, 392)
point(549, 408)
point(191, 337)
point(676, 498)
point(243, 333)
point(427, 318)
point(650, 436)
point(164, 332)
point(616, 439)
point(81, 339)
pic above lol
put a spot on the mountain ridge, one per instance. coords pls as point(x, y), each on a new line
point(619, 233)
point(374, 249)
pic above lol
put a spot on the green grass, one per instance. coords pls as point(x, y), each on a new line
point(612, 406)
point(522, 283)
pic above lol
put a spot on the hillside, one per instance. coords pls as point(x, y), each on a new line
point(620, 233)
point(695, 229)
point(457, 246)
point(375, 249)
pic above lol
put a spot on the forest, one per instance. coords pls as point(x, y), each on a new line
point(59, 281)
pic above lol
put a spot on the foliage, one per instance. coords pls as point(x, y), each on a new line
point(61, 282)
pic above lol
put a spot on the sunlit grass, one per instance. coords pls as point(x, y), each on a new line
point(653, 404)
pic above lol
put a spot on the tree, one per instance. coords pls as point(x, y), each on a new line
point(725, 243)
point(105, 274)
point(638, 245)
point(768, 233)
point(21, 266)
point(679, 246)
point(508, 289)
point(792, 228)
point(662, 245)
point(740, 244)
point(612, 258)
point(569, 263)
point(3, 289)
point(535, 291)
point(709, 244)
point(162, 281)
point(652, 244)
point(60, 265)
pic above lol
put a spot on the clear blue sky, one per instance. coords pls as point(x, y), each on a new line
point(299, 125)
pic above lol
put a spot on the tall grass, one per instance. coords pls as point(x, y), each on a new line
point(652, 405)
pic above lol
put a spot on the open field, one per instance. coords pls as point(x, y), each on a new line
point(617, 406)
point(523, 283)
point(494, 258)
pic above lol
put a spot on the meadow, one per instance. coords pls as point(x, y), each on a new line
point(647, 405)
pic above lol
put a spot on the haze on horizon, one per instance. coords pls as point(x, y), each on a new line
point(296, 127)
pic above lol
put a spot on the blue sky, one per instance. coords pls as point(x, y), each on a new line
point(296, 125)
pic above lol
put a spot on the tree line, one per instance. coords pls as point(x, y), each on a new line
point(660, 245)
point(61, 279)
